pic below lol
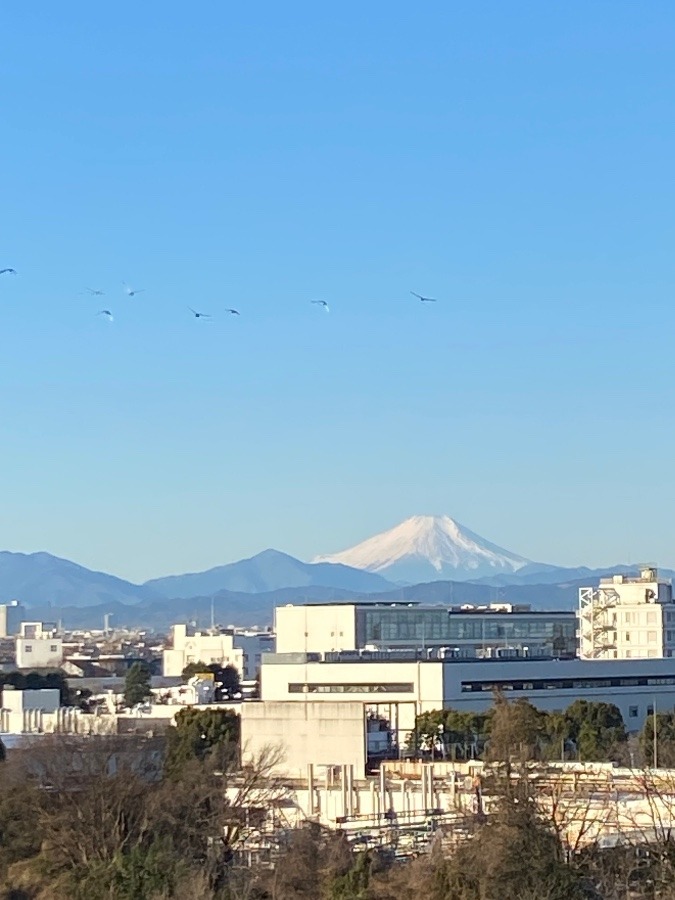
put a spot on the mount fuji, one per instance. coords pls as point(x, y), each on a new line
point(429, 548)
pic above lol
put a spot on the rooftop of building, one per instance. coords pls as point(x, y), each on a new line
point(463, 609)
point(647, 575)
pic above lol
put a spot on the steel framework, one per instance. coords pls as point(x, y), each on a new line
point(597, 621)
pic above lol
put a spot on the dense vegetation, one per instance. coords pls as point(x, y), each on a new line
point(584, 731)
point(140, 818)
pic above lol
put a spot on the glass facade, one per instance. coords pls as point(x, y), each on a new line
point(414, 626)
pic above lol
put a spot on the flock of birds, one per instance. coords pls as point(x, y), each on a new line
point(131, 292)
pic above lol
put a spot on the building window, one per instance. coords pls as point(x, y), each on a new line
point(355, 688)
point(633, 712)
point(628, 636)
point(53, 648)
point(28, 648)
point(651, 654)
point(651, 618)
point(651, 637)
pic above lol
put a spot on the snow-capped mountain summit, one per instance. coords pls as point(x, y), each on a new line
point(428, 548)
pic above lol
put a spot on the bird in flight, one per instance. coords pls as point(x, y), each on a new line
point(321, 303)
point(7, 271)
point(131, 292)
point(106, 313)
point(423, 299)
point(233, 312)
point(94, 293)
point(198, 315)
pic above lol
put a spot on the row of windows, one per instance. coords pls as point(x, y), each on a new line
point(53, 648)
point(438, 625)
point(561, 684)
point(380, 688)
point(636, 618)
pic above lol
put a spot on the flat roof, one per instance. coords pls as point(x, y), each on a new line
point(450, 609)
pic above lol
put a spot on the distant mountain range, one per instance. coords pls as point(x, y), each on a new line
point(426, 559)
point(39, 579)
point(268, 571)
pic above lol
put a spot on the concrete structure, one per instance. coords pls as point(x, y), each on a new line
point(409, 806)
point(627, 617)
point(418, 684)
point(39, 712)
point(487, 631)
point(328, 732)
point(11, 616)
point(37, 647)
point(242, 649)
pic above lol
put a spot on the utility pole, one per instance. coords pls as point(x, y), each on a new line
point(655, 738)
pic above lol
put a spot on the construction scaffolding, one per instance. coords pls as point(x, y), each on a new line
point(598, 622)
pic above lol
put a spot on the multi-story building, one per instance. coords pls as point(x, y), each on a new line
point(224, 647)
point(11, 617)
point(412, 684)
point(38, 647)
point(627, 617)
point(487, 631)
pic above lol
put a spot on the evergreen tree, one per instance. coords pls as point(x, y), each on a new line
point(137, 684)
point(201, 734)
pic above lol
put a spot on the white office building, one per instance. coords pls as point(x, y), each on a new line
point(627, 617)
point(467, 631)
point(224, 647)
point(416, 685)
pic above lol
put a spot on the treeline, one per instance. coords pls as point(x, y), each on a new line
point(585, 731)
point(126, 817)
point(140, 818)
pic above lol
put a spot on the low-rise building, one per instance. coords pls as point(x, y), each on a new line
point(38, 647)
point(415, 684)
point(243, 649)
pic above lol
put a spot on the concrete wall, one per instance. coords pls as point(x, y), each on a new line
point(315, 628)
point(38, 653)
point(326, 733)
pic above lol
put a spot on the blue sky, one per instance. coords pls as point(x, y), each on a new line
point(514, 160)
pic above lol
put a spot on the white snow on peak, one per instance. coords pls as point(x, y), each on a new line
point(437, 541)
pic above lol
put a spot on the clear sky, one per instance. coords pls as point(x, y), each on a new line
point(514, 160)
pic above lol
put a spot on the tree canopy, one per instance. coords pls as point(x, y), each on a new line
point(518, 730)
point(200, 734)
point(137, 684)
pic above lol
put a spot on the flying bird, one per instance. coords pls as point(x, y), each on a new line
point(131, 292)
point(106, 313)
point(321, 303)
point(94, 293)
point(198, 315)
point(7, 271)
point(424, 299)
point(233, 312)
